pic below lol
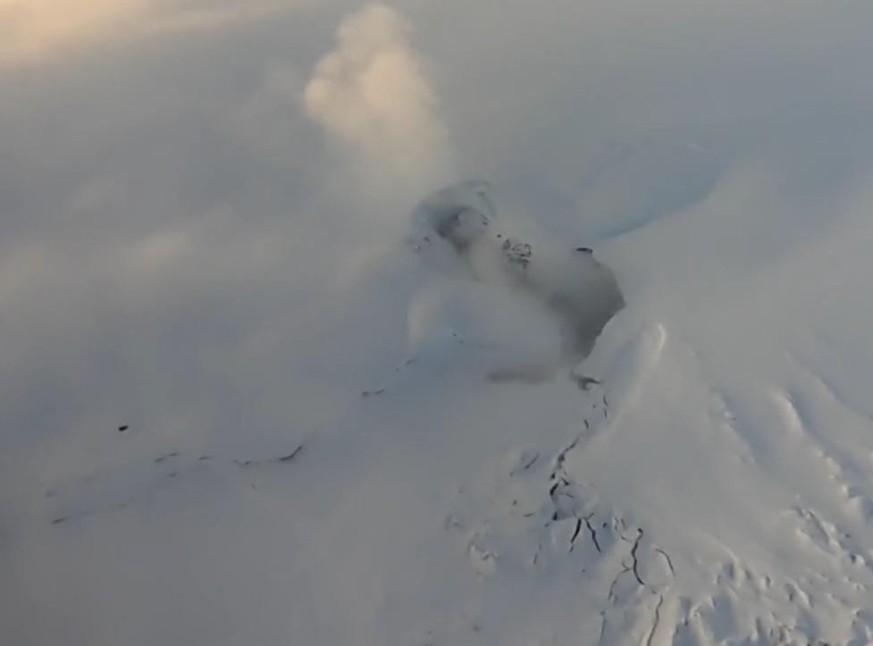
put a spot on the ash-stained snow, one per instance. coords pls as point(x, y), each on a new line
point(529, 305)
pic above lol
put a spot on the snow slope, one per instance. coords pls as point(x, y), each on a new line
point(714, 487)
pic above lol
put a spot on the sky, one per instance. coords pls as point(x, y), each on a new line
point(198, 197)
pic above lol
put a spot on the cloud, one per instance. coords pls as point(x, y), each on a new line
point(34, 30)
point(216, 14)
point(372, 94)
point(29, 29)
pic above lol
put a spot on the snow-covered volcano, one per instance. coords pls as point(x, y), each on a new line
point(701, 477)
point(264, 382)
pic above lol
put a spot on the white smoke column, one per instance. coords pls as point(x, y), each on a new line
point(372, 95)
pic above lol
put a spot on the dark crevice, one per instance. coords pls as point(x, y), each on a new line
point(593, 533)
point(292, 455)
point(526, 465)
point(575, 533)
point(656, 622)
point(634, 567)
point(284, 459)
point(611, 594)
point(562, 455)
point(668, 559)
point(634, 556)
